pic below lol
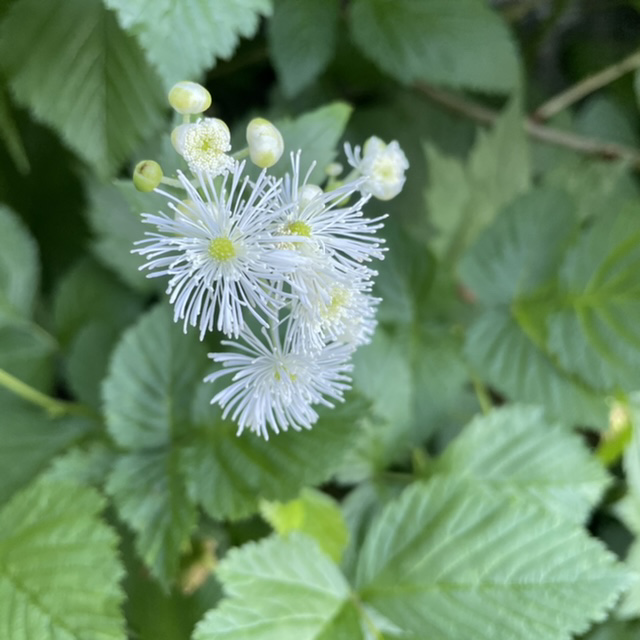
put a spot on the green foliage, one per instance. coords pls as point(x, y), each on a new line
point(59, 572)
point(438, 562)
point(314, 514)
point(302, 40)
point(462, 44)
point(464, 198)
point(183, 39)
point(70, 63)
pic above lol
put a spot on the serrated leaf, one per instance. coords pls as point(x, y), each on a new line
point(152, 377)
point(449, 560)
point(461, 44)
point(114, 215)
point(59, 571)
point(183, 39)
point(151, 498)
point(30, 439)
point(313, 513)
point(518, 451)
point(317, 133)
point(463, 199)
point(89, 466)
point(19, 267)
point(302, 39)
point(228, 474)
point(72, 65)
point(593, 334)
point(281, 589)
point(629, 607)
point(513, 363)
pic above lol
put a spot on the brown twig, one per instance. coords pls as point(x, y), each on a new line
point(580, 144)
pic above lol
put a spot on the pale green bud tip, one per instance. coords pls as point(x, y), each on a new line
point(265, 143)
point(147, 175)
point(189, 98)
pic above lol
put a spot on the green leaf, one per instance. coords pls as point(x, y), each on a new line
point(19, 268)
point(284, 589)
point(614, 630)
point(228, 474)
point(302, 40)
point(30, 440)
point(114, 215)
point(522, 249)
point(59, 570)
point(151, 498)
point(463, 199)
point(518, 451)
point(512, 362)
point(10, 135)
point(88, 466)
point(594, 334)
point(449, 561)
point(151, 380)
point(183, 39)
point(629, 607)
point(70, 63)
point(313, 513)
point(460, 44)
point(317, 133)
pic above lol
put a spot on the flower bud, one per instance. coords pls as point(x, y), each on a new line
point(147, 175)
point(307, 194)
point(384, 165)
point(265, 143)
point(189, 98)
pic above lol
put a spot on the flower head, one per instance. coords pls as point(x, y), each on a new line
point(204, 146)
point(265, 143)
point(275, 384)
point(383, 166)
point(219, 252)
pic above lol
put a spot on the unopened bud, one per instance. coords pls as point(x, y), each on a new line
point(333, 170)
point(265, 143)
point(189, 98)
point(147, 175)
point(307, 194)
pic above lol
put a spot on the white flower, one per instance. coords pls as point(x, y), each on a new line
point(204, 146)
point(219, 252)
point(338, 229)
point(344, 311)
point(275, 384)
point(382, 164)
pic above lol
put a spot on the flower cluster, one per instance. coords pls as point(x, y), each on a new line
point(280, 266)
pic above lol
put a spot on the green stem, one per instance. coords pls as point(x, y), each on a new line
point(241, 154)
point(484, 399)
point(586, 86)
point(172, 182)
point(52, 406)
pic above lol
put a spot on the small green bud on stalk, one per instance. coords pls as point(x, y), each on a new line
point(147, 175)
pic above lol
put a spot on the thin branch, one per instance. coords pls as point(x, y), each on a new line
point(543, 133)
point(583, 88)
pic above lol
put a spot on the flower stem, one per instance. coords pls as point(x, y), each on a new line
point(52, 406)
point(172, 182)
point(586, 86)
point(241, 154)
point(484, 399)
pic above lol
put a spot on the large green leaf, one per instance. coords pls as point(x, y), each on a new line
point(448, 560)
point(594, 333)
point(150, 496)
point(282, 589)
point(512, 268)
point(302, 40)
point(30, 439)
point(228, 474)
point(461, 44)
point(59, 571)
point(183, 39)
point(19, 268)
point(463, 199)
point(72, 65)
point(151, 380)
point(518, 451)
point(10, 134)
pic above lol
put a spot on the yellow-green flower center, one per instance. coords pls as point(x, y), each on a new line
point(298, 228)
point(222, 249)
